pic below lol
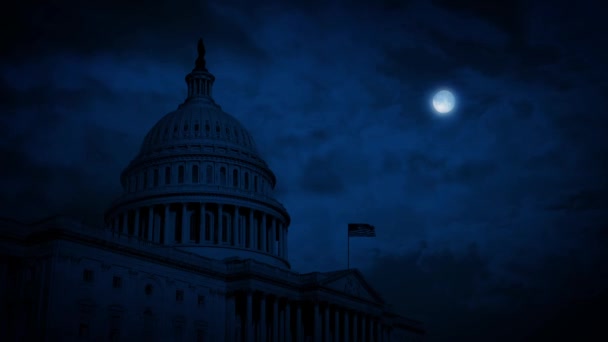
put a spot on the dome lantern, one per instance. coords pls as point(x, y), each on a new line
point(200, 80)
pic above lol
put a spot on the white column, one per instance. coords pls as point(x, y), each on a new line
point(355, 326)
point(243, 229)
point(168, 227)
point(251, 230)
point(363, 328)
point(273, 236)
point(136, 223)
point(264, 233)
point(288, 321)
point(286, 247)
point(317, 323)
point(299, 332)
point(203, 222)
point(220, 223)
point(157, 226)
point(235, 226)
point(336, 324)
point(125, 222)
point(275, 319)
point(230, 313)
point(346, 325)
point(281, 236)
point(263, 326)
point(373, 330)
point(229, 226)
point(150, 233)
point(326, 325)
point(185, 224)
point(248, 318)
point(281, 325)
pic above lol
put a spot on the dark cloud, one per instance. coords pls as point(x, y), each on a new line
point(144, 28)
point(508, 16)
point(586, 199)
point(321, 175)
point(523, 109)
point(472, 300)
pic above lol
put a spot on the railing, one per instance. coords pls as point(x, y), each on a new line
point(74, 226)
point(227, 266)
point(188, 189)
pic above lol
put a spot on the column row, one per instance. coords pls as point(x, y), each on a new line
point(255, 316)
point(205, 223)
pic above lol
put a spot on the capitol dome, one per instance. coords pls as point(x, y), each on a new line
point(198, 183)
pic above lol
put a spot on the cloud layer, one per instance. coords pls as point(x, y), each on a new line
point(495, 213)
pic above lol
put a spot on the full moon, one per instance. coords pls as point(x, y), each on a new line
point(444, 101)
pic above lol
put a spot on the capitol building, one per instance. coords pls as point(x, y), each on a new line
point(195, 249)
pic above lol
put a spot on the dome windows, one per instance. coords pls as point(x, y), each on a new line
point(168, 175)
point(246, 180)
point(194, 173)
point(155, 180)
point(223, 176)
point(209, 174)
point(235, 178)
point(180, 174)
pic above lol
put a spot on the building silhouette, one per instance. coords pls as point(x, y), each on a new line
point(195, 249)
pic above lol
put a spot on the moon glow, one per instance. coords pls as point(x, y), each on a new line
point(444, 101)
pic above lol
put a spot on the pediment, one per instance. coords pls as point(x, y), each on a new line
point(352, 283)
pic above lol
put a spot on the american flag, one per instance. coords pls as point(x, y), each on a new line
point(361, 230)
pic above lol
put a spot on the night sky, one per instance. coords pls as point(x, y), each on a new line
point(491, 221)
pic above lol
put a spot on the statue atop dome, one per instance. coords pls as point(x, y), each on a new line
point(200, 60)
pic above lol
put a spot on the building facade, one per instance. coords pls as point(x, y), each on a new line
point(195, 249)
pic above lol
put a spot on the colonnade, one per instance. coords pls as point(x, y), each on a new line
point(256, 316)
point(205, 224)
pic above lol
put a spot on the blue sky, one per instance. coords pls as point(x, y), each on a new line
point(494, 214)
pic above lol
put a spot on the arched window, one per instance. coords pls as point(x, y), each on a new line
point(235, 178)
point(136, 186)
point(246, 180)
point(145, 179)
point(168, 175)
point(209, 174)
point(223, 176)
point(180, 174)
point(194, 173)
point(155, 180)
point(255, 183)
